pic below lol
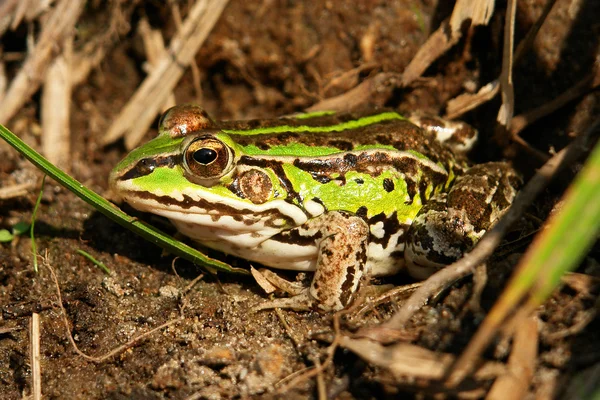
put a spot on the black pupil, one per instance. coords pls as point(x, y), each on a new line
point(205, 156)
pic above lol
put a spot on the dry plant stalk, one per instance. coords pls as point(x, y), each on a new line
point(154, 46)
point(521, 364)
point(467, 101)
point(447, 35)
point(36, 368)
point(56, 107)
point(61, 22)
point(145, 104)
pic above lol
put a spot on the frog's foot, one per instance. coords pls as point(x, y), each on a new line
point(437, 237)
point(270, 281)
point(341, 260)
point(450, 225)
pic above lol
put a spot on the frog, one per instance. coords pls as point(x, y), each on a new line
point(347, 196)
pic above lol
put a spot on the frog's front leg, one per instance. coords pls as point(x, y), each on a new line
point(449, 225)
point(342, 241)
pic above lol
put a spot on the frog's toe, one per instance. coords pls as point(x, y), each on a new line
point(300, 302)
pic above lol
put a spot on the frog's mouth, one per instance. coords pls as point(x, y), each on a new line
point(205, 218)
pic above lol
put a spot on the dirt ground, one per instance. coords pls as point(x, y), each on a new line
point(265, 59)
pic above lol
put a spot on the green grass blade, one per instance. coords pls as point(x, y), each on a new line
point(98, 263)
point(571, 232)
point(31, 232)
point(141, 228)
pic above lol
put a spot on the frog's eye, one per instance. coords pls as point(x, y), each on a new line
point(207, 158)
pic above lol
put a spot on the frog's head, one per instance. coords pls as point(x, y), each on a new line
point(191, 173)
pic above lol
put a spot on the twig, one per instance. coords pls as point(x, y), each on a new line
point(521, 364)
point(405, 359)
point(467, 101)
point(579, 89)
point(527, 41)
point(492, 238)
point(375, 90)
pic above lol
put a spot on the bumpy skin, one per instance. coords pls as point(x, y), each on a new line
point(335, 193)
point(451, 224)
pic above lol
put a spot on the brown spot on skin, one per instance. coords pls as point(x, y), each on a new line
point(277, 168)
point(373, 163)
point(397, 254)
point(181, 120)
point(347, 286)
point(234, 187)
point(495, 180)
point(256, 186)
point(462, 134)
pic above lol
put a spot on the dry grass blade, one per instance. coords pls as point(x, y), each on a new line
point(145, 104)
point(405, 359)
point(16, 190)
point(506, 84)
point(60, 22)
